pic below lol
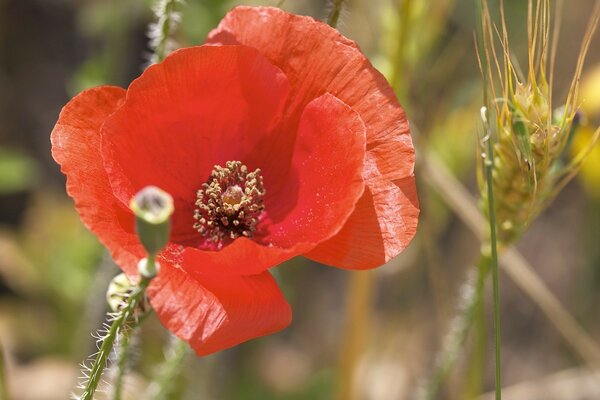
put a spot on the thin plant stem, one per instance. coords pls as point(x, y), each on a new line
point(489, 163)
point(165, 383)
point(107, 342)
point(3, 381)
point(513, 263)
point(404, 9)
point(436, 271)
point(570, 383)
point(359, 299)
point(124, 348)
point(161, 31)
point(334, 14)
point(476, 364)
point(471, 296)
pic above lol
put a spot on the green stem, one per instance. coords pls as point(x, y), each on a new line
point(108, 341)
point(398, 79)
point(489, 164)
point(334, 14)
point(165, 25)
point(123, 358)
point(472, 296)
point(165, 384)
point(476, 363)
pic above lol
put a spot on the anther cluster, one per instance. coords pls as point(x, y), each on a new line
point(230, 203)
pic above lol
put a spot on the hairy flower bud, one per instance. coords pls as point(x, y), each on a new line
point(119, 289)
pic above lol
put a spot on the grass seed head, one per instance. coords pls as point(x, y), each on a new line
point(530, 135)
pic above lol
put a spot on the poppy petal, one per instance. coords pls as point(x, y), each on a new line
point(234, 260)
point(325, 180)
point(317, 59)
point(75, 143)
point(323, 187)
point(365, 226)
point(212, 313)
point(200, 107)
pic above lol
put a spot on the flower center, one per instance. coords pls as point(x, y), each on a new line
point(230, 203)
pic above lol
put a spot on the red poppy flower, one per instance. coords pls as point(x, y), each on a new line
point(277, 139)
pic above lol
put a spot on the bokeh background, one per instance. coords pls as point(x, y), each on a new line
point(362, 335)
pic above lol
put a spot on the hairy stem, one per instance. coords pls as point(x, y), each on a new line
point(108, 341)
point(471, 295)
point(122, 360)
point(160, 32)
point(165, 383)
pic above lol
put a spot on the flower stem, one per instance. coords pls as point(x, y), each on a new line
point(357, 320)
point(489, 166)
point(489, 163)
point(165, 384)
point(398, 78)
point(517, 268)
point(160, 32)
point(334, 14)
point(123, 358)
point(108, 341)
point(476, 361)
point(471, 296)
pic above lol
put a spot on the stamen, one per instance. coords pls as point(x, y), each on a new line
point(230, 203)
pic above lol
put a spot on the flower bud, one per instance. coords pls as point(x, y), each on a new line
point(153, 208)
point(118, 293)
point(119, 290)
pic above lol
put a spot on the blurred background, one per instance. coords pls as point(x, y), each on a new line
point(363, 335)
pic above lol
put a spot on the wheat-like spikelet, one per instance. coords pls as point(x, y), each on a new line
point(530, 134)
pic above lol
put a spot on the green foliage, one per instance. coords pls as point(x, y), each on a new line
point(18, 171)
point(249, 387)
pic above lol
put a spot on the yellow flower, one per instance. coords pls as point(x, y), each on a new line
point(589, 174)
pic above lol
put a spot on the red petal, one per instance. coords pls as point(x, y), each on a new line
point(213, 314)
point(367, 226)
point(200, 107)
point(75, 146)
point(241, 257)
point(322, 187)
point(317, 59)
point(325, 177)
